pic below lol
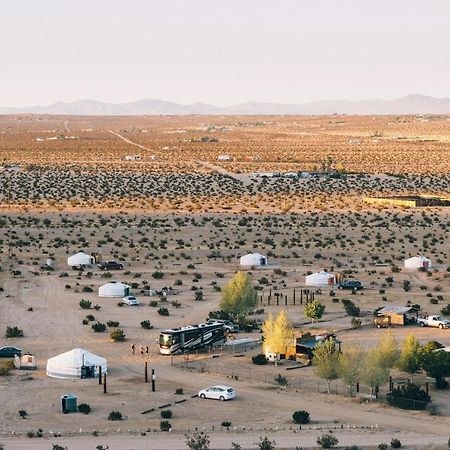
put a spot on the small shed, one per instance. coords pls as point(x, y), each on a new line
point(253, 259)
point(307, 342)
point(80, 259)
point(25, 362)
point(322, 278)
point(418, 262)
point(114, 289)
point(399, 315)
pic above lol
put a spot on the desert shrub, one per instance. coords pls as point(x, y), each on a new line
point(97, 307)
point(178, 283)
point(56, 447)
point(265, 444)
point(115, 415)
point(12, 332)
point(112, 323)
point(166, 414)
point(117, 335)
point(85, 322)
point(327, 441)
point(85, 304)
point(99, 327)
point(410, 396)
point(355, 323)
point(176, 304)
point(158, 275)
point(445, 311)
point(22, 413)
point(153, 303)
point(226, 423)
point(146, 325)
point(199, 295)
point(163, 311)
point(165, 425)
point(382, 446)
point(84, 408)
point(259, 359)
point(90, 317)
point(395, 443)
point(350, 308)
point(282, 381)
point(87, 289)
point(301, 417)
point(178, 391)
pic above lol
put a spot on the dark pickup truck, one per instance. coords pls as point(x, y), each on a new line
point(110, 265)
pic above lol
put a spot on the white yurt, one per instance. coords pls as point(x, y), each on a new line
point(80, 259)
point(416, 262)
point(253, 259)
point(320, 279)
point(77, 363)
point(114, 289)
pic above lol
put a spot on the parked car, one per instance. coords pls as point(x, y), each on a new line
point(217, 393)
point(228, 324)
point(130, 300)
point(433, 321)
point(110, 265)
point(10, 352)
point(353, 285)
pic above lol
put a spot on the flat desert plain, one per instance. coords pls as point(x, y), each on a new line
point(179, 217)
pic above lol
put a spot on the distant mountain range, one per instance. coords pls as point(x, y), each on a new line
point(411, 104)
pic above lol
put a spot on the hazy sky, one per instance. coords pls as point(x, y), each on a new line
point(222, 51)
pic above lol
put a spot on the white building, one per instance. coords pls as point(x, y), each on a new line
point(320, 279)
point(74, 363)
point(416, 262)
point(80, 259)
point(114, 289)
point(253, 259)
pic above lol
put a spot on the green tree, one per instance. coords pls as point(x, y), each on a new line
point(350, 366)
point(239, 297)
point(326, 361)
point(314, 310)
point(437, 365)
point(387, 351)
point(278, 333)
point(409, 359)
point(374, 373)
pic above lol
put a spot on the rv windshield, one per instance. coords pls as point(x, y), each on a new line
point(165, 340)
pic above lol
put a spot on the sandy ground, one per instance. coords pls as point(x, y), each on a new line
point(54, 326)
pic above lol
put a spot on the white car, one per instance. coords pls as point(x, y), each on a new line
point(218, 393)
point(130, 300)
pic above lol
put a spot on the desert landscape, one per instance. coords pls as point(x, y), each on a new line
point(179, 215)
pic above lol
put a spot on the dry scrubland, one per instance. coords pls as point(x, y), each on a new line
point(179, 210)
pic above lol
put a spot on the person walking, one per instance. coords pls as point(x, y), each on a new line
point(146, 350)
point(133, 347)
point(142, 350)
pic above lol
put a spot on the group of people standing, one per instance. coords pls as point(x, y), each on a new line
point(143, 350)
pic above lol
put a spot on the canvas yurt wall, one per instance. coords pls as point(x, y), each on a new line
point(320, 279)
point(80, 259)
point(253, 259)
point(114, 289)
point(69, 364)
point(416, 262)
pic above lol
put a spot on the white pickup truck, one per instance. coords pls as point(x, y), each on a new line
point(433, 321)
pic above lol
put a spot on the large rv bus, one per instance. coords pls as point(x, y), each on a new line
point(194, 337)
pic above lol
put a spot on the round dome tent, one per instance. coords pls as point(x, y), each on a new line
point(80, 259)
point(253, 259)
point(417, 262)
point(320, 279)
point(114, 289)
point(76, 363)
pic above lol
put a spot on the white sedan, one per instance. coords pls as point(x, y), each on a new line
point(130, 300)
point(218, 393)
